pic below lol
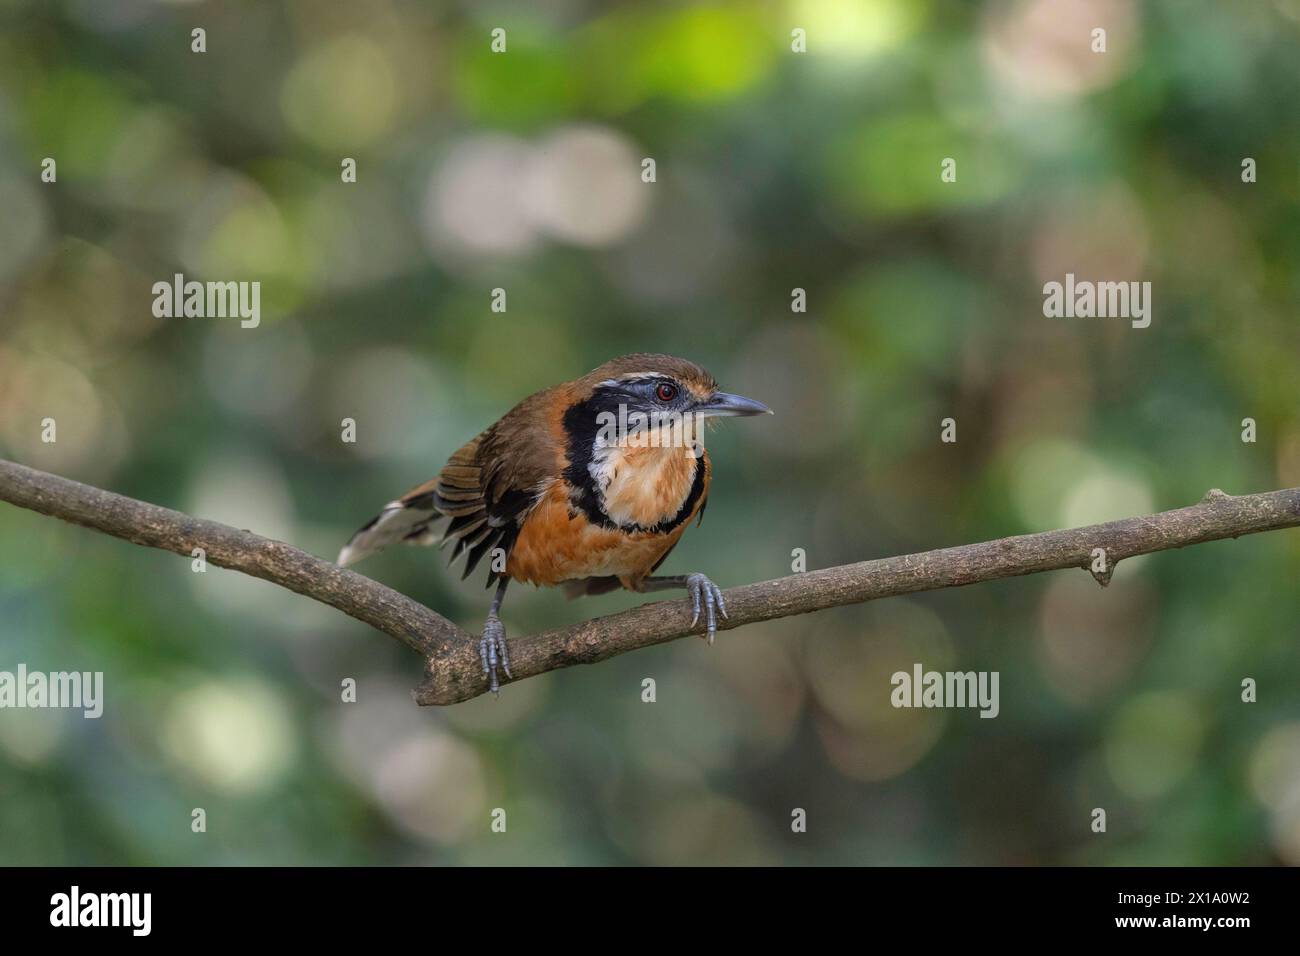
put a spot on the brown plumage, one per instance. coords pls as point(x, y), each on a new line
point(589, 485)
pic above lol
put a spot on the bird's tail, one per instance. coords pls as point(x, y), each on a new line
point(406, 519)
point(456, 494)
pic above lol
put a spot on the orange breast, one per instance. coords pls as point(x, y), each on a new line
point(646, 485)
point(558, 544)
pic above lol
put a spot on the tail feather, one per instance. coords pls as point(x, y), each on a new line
point(398, 521)
point(456, 493)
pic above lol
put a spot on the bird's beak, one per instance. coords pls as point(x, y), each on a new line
point(724, 404)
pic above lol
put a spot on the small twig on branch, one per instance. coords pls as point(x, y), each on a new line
point(453, 671)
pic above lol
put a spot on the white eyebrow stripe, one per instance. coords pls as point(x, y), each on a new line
point(632, 377)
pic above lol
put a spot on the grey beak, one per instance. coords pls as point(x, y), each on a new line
point(724, 404)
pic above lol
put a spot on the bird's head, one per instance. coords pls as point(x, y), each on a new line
point(662, 400)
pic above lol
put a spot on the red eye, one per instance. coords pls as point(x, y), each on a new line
point(665, 392)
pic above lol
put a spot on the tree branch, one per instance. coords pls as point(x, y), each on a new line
point(412, 623)
point(453, 672)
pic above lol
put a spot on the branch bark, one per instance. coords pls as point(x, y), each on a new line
point(419, 628)
point(453, 672)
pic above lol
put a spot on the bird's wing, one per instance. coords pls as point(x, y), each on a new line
point(517, 459)
point(486, 488)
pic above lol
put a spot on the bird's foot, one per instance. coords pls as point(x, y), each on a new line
point(706, 596)
point(492, 650)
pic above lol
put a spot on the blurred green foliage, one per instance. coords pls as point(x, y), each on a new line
point(775, 170)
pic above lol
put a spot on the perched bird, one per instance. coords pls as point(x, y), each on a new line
point(588, 485)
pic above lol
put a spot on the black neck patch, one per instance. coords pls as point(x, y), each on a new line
point(582, 422)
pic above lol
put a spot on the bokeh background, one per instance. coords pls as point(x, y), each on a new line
point(775, 170)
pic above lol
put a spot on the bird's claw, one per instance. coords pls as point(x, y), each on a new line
point(706, 596)
point(492, 651)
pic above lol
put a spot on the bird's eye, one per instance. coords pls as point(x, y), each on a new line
point(665, 392)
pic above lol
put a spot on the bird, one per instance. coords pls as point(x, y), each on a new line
point(587, 485)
